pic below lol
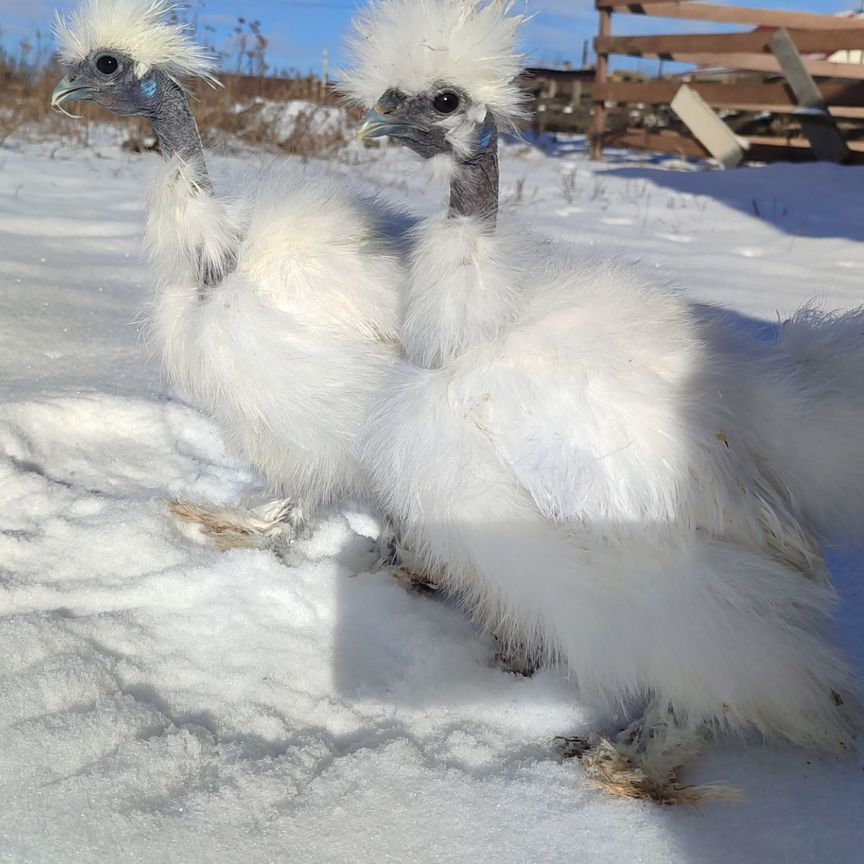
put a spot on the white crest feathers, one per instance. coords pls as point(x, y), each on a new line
point(141, 29)
point(413, 45)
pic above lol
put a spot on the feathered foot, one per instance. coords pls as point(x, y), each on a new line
point(409, 571)
point(239, 527)
point(517, 658)
point(404, 566)
point(620, 775)
point(645, 762)
point(413, 581)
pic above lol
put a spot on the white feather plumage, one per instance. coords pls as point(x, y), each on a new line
point(287, 350)
point(570, 462)
point(801, 397)
point(417, 44)
point(607, 476)
point(276, 309)
point(141, 29)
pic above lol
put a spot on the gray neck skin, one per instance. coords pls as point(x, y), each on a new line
point(175, 127)
point(177, 131)
point(474, 187)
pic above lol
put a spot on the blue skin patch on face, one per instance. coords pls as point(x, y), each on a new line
point(149, 86)
point(486, 137)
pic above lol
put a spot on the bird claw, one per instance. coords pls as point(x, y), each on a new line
point(571, 748)
point(401, 563)
point(645, 760)
point(623, 775)
point(415, 581)
point(517, 659)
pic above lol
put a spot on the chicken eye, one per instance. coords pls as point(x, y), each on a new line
point(107, 64)
point(446, 102)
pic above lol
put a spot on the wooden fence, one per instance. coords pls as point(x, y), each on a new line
point(836, 90)
point(561, 99)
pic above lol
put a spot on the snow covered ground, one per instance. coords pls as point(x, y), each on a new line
point(162, 702)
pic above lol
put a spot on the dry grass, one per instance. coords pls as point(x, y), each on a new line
point(25, 97)
point(245, 112)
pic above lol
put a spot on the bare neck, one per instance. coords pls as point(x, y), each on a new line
point(177, 131)
point(464, 284)
point(175, 126)
point(474, 187)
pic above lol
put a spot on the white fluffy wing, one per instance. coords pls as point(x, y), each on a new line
point(594, 400)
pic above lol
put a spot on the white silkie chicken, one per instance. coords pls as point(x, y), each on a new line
point(798, 398)
point(276, 311)
point(566, 448)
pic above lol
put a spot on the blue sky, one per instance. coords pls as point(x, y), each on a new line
point(300, 30)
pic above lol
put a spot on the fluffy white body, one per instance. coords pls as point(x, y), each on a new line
point(606, 473)
point(285, 351)
point(560, 443)
point(802, 396)
point(276, 309)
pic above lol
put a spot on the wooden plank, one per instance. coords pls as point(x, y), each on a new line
point(768, 63)
point(807, 42)
point(776, 98)
point(786, 50)
point(834, 111)
point(613, 4)
point(840, 113)
point(822, 132)
point(732, 15)
point(728, 95)
point(761, 148)
point(661, 142)
point(714, 135)
point(855, 147)
point(601, 74)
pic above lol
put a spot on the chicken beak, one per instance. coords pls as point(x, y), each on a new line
point(376, 125)
point(67, 91)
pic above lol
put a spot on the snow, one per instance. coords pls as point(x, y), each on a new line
point(321, 118)
point(296, 116)
point(160, 701)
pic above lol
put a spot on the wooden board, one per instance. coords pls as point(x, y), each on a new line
point(732, 15)
point(822, 132)
point(601, 73)
point(711, 132)
point(661, 142)
point(847, 100)
point(855, 147)
point(761, 148)
point(807, 42)
point(731, 95)
point(767, 63)
point(614, 4)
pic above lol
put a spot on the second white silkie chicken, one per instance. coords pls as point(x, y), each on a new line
point(276, 308)
point(564, 444)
